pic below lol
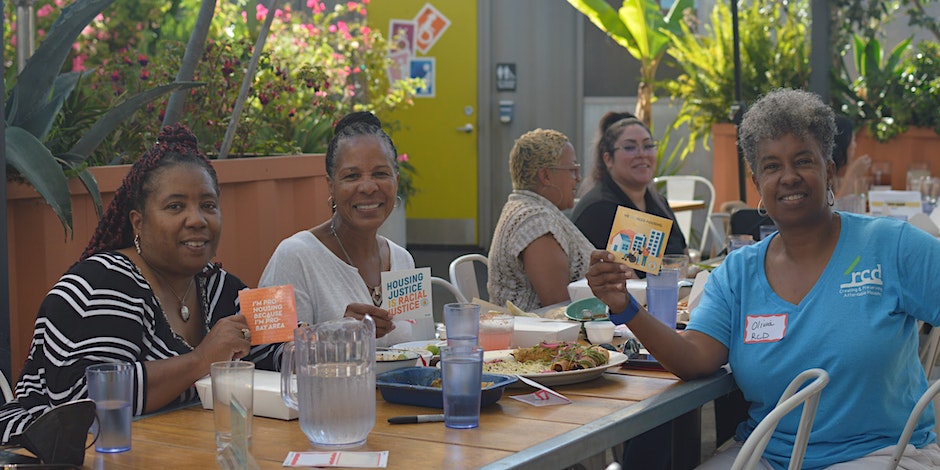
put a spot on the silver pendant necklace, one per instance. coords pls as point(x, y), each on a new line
point(375, 291)
point(184, 310)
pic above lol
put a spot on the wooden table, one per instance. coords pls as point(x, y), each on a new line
point(605, 411)
point(678, 205)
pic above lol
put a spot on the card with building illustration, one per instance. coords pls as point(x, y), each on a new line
point(271, 313)
point(406, 294)
point(638, 239)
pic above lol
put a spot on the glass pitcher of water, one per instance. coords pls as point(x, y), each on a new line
point(335, 390)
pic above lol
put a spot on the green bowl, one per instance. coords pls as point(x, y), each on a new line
point(597, 308)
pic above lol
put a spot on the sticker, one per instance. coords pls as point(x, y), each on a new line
point(765, 328)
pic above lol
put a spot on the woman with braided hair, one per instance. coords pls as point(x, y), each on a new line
point(143, 292)
point(336, 266)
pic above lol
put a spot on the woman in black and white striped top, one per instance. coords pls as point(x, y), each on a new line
point(143, 292)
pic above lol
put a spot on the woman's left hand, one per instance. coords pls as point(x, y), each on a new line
point(381, 317)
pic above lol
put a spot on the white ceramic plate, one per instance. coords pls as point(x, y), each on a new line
point(420, 346)
point(551, 379)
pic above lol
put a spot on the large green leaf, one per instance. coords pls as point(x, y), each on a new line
point(35, 82)
point(117, 115)
point(36, 164)
point(40, 122)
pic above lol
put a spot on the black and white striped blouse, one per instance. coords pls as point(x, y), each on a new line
point(104, 310)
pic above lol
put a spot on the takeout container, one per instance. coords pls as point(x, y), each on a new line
point(580, 290)
point(528, 332)
point(412, 386)
point(267, 395)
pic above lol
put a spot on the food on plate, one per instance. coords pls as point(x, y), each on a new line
point(550, 357)
point(436, 383)
point(518, 312)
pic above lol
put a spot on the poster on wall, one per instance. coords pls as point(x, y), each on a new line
point(402, 36)
point(424, 68)
point(431, 24)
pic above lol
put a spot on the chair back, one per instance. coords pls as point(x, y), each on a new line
point(5, 389)
point(439, 301)
point(932, 392)
point(748, 222)
point(689, 188)
point(793, 396)
point(463, 275)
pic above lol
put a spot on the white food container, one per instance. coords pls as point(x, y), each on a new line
point(267, 395)
point(529, 331)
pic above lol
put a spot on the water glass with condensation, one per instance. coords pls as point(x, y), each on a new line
point(677, 261)
point(461, 378)
point(111, 386)
point(662, 295)
point(462, 322)
point(231, 380)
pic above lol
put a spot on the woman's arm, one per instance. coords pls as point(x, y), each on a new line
point(547, 267)
point(689, 355)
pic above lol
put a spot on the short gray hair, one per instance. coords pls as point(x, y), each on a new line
point(785, 111)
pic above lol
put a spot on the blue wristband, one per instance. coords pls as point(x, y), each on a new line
point(627, 314)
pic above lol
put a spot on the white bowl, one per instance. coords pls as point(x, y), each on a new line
point(391, 359)
point(599, 332)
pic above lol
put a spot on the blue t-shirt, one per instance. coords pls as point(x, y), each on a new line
point(858, 322)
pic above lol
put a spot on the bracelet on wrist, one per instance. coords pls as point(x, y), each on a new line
point(627, 314)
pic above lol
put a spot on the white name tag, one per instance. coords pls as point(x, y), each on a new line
point(765, 328)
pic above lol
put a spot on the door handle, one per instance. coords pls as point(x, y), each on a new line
point(466, 128)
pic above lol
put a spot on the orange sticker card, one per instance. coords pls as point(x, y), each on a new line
point(431, 24)
point(271, 313)
point(638, 239)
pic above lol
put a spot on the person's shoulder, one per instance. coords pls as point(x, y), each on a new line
point(103, 265)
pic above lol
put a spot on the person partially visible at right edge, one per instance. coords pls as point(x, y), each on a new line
point(850, 289)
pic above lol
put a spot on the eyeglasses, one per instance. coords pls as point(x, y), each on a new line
point(634, 150)
point(575, 170)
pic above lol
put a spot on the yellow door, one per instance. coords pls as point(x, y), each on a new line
point(439, 133)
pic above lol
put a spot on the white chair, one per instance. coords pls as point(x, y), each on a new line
point(928, 359)
point(912, 420)
point(754, 446)
point(5, 388)
point(463, 274)
point(687, 188)
point(441, 282)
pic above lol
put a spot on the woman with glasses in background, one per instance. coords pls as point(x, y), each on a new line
point(536, 251)
point(624, 166)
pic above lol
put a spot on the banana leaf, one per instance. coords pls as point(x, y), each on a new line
point(38, 166)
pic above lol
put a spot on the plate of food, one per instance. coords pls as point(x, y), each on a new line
point(552, 364)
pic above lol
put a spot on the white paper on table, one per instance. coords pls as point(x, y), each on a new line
point(544, 396)
point(337, 459)
point(698, 287)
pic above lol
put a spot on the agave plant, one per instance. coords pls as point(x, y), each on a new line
point(35, 102)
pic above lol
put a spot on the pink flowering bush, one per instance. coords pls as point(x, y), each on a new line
point(317, 65)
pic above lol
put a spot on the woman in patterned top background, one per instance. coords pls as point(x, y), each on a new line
point(536, 250)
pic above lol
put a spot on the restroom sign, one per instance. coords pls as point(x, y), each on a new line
point(506, 77)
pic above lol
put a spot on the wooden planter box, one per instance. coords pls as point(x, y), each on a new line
point(264, 200)
point(915, 145)
point(725, 167)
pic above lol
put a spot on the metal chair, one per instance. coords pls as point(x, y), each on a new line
point(463, 275)
point(441, 282)
point(912, 420)
point(754, 446)
point(686, 188)
point(5, 388)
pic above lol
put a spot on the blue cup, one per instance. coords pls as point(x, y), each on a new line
point(111, 386)
point(461, 377)
point(662, 295)
point(462, 323)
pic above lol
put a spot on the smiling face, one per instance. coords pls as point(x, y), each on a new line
point(792, 178)
point(364, 184)
point(181, 222)
point(631, 163)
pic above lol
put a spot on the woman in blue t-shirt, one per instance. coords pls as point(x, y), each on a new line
point(838, 291)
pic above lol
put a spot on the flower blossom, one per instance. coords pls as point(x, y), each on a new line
point(403, 157)
point(260, 12)
point(44, 11)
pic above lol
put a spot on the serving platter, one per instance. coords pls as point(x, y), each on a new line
point(551, 379)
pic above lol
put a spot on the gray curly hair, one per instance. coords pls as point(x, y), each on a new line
point(785, 111)
point(533, 151)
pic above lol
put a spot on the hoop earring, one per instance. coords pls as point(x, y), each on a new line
point(331, 202)
point(137, 242)
point(398, 202)
point(830, 197)
point(761, 210)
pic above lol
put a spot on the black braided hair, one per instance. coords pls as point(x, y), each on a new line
point(176, 145)
point(357, 124)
